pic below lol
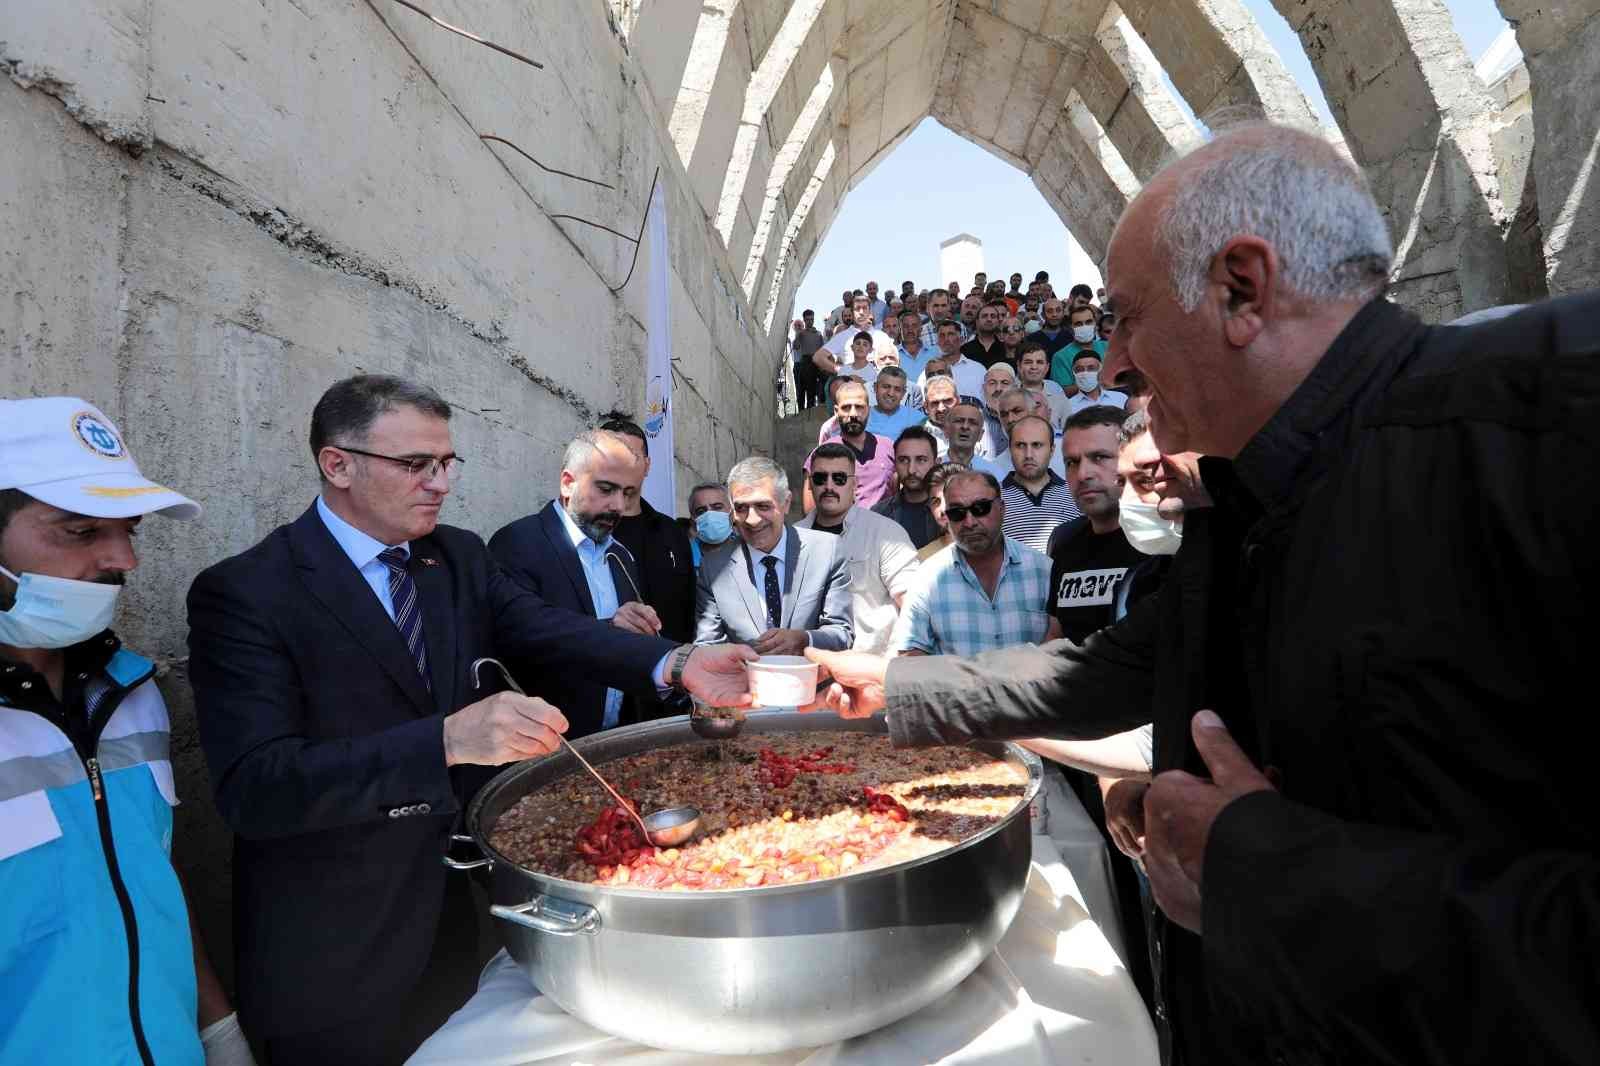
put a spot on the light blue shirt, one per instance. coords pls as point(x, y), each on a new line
point(914, 365)
point(891, 425)
point(602, 591)
point(363, 552)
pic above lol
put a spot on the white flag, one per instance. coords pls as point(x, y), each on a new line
point(660, 487)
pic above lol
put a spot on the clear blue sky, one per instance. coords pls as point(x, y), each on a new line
point(936, 185)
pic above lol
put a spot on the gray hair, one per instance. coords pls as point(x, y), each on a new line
point(891, 371)
point(1004, 396)
point(1291, 189)
point(1012, 374)
point(582, 449)
point(756, 469)
point(1133, 426)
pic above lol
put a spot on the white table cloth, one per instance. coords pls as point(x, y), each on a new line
point(1053, 993)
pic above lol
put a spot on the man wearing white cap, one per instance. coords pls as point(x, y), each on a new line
point(96, 959)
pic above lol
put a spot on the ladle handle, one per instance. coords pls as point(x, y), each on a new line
point(511, 682)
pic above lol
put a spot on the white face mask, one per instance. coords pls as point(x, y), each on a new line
point(1146, 530)
point(1083, 334)
point(1088, 380)
point(56, 612)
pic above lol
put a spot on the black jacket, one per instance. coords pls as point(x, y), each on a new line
point(667, 583)
point(326, 753)
point(538, 553)
point(1389, 610)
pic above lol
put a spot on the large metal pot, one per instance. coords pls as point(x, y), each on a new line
point(750, 971)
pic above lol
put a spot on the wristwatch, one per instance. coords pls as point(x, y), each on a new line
point(680, 659)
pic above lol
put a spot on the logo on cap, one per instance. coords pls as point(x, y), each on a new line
point(97, 436)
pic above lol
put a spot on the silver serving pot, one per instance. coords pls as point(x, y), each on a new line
point(755, 970)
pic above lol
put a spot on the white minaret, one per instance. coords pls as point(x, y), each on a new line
point(960, 257)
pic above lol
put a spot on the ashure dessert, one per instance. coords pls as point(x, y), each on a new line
point(775, 809)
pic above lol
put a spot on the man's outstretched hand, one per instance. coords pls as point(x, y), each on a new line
point(1179, 811)
point(715, 674)
point(857, 688)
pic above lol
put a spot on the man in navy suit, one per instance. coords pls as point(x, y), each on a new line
point(344, 732)
point(566, 554)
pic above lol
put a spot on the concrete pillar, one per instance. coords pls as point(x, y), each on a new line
point(1561, 45)
point(1219, 59)
point(1418, 120)
point(1122, 86)
point(797, 219)
point(800, 136)
point(1083, 177)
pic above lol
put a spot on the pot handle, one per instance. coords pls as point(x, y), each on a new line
point(457, 864)
point(546, 914)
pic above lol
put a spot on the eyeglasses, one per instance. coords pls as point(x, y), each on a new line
point(839, 478)
point(1013, 329)
point(977, 508)
point(421, 467)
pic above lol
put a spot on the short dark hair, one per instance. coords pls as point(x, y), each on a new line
point(1043, 275)
point(1133, 425)
point(832, 450)
point(1031, 343)
point(1100, 414)
point(349, 407)
point(11, 501)
point(949, 323)
point(704, 486)
point(1087, 353)
point(996, 301)
point(938, 474)
point(918, 433)
point(619, 422)
point(808, 311)
point(891, 371)
point(1081, 289)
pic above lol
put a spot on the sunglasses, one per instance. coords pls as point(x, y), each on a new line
point(1013, 329)
point(978, 508)
point(839, 479)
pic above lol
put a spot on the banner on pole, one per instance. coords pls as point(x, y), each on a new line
point(660, 487)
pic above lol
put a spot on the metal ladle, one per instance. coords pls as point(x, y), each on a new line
point(665, 829)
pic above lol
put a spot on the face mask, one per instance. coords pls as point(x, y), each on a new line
point(1083, 334)
point(1088, 380)
point(1032, 326)
point(1146, 530)
point(713, 527)
point(56, 612)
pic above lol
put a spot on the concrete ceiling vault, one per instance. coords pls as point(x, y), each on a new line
point(778, 108)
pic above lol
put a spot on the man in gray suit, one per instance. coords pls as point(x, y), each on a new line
point(776, 588)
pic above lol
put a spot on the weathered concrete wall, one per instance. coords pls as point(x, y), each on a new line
point(214, 211)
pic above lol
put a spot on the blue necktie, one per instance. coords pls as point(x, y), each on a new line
point(407, 612)
point(774, 599)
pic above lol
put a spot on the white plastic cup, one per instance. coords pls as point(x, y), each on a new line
point(782, 680)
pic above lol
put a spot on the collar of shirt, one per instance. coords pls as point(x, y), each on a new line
point(1051, 482)
point(361, 548)
point(1271, 465)
point(1011, 555)
point(777, 552)
point(810, 519)
point(579, 540)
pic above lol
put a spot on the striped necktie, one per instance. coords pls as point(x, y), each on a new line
point(407, 611)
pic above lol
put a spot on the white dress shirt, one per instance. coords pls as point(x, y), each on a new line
point(602, 592)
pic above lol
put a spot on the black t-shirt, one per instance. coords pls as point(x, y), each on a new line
point(1085, 567)
point(914, 518)
point(995, 353)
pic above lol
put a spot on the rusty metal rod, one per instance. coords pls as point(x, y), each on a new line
point(469, 35)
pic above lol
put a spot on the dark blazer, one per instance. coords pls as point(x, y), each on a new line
point(666, 566)
point(537, 551)
point(816, 592)
point(326, 753)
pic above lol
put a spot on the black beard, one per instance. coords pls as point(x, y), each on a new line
point(853, 427)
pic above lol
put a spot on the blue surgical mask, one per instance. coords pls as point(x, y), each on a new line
point(56, 612)
point(713, 527)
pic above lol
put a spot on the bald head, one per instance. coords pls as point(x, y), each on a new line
point(1232, 271)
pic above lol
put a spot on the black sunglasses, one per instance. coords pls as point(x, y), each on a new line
point(840, 479)
point(978, 508)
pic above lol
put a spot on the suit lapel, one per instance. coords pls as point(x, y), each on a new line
point(556, 530)
point(795, 557)
point(752, 589)
point(333, 580)
point(435, 582)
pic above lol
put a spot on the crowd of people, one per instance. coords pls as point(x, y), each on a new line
point(1290, 580)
